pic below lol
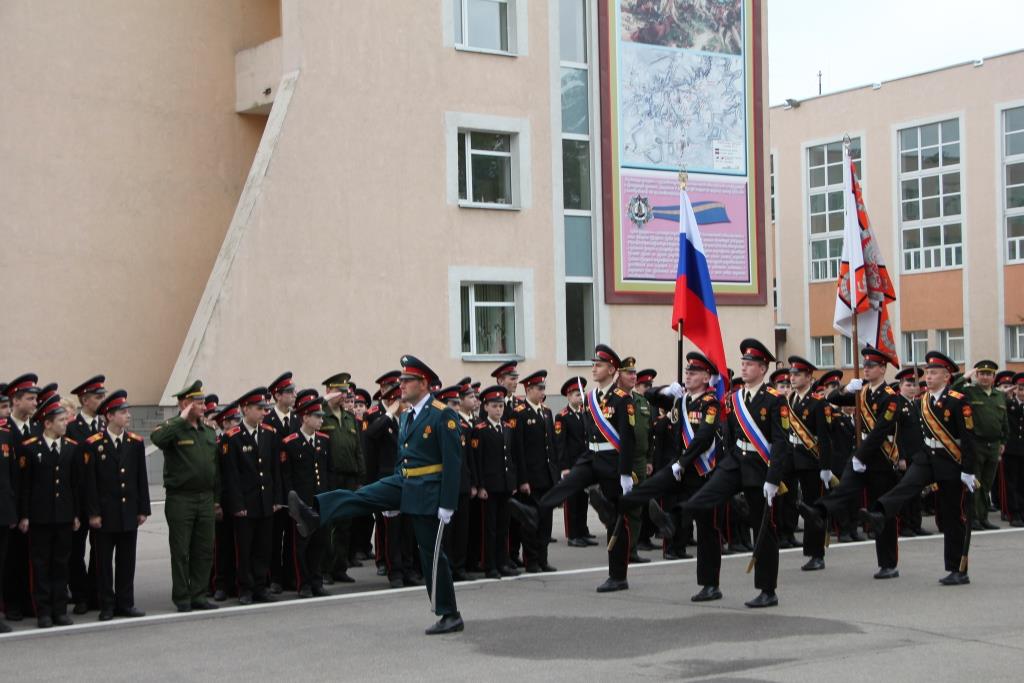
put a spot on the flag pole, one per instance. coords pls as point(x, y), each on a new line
point(855, 340)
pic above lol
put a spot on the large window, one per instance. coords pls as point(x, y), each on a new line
point(951, 343)
point(484, 24)
point(915, 346)
point(485, 168)
point(576, 179)
point(1015, 342)
point(823, 349)
point(847, 351)
point(931, 217)
point(1013, 181)
point(489, 313)
point(825, 208)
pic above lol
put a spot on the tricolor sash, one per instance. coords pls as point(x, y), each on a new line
point(888, 447)
point(938, 429)
point(749, 427)
point(804, 434)
point(706, 460)
point(602, 423)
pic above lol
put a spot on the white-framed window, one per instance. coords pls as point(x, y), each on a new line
point(825, 205)
point(488, 161)
point(771, 184)
point(489, 311)
point(1015, 342)
point(823, 349)
point(931, 215)
point(951, 343)
point(485, 168)
point(1013, 183)
point(486, 25)
point(577, 175)
point(915, 346)
point(847, 351)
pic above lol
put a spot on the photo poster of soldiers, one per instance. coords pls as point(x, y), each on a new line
point(683, 94)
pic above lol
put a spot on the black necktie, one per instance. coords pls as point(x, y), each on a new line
point(117, 444)
point(748, 395)
point(24, 430)
point(54, 448)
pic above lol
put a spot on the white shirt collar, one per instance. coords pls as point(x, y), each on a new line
point(493, 422)
point(282, 416)
point(114, 437)
point(752, 391)
point(251, 432)
point(418, 408)
point(936, 395)
point(49, 442)
point(535, 406)
point(19, 424)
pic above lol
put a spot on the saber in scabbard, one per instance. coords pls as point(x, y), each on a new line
point(967, 533)
point(433, 570)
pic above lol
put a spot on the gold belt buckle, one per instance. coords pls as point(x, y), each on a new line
point(405, 473)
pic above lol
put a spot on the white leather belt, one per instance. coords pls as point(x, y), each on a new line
point(599, 447)
point(745, 446)
point(936, 444)
point(795, 440)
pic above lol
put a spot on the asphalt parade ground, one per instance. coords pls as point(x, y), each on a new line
point(834, 625)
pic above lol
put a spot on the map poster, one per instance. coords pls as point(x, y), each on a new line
point(681, 90)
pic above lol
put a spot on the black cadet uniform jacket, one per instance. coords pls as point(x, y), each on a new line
point(533, 444)
point(8, 479)
point(770, 413)
point(617, 408)
point(116, 482)
point(306, 465)
point(947, 425)
point(50, 482)
point(380, 443)
point(570, 436)
point(495, 463)
point(810, 432)
point(250, 471)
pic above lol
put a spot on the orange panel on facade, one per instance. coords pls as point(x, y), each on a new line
point(821, 297)
point(931, 301)
point(1013, 287)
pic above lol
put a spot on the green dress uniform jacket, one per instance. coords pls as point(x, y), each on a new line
point(190, 456)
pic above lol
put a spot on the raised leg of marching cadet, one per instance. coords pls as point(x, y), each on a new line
point(253, 535)
point(603, 472)
point(380, 496)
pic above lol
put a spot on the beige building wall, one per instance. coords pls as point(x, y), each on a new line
point(353, 249)
point(121, 160)
point(981, 296)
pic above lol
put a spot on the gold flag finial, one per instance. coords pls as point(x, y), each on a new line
point(683, 176)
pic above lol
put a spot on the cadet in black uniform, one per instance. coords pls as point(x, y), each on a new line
point(786, 513)
point(456, 533)
point(8, 494)
point(886, 429)
point(1013, 457)
point(252, 493)
point(608, 463)
point(911, 516)
point(810, 420)
point(533, 447)
point(571, 444)
point(284, 421)
point(224, 573)
point(50, 484)
point(24, 395)
point(82, 574)
point(945, 458)
point(490, 442)
point(754, 459)
point(306, 468)
point(117, 503)
point(697, 435)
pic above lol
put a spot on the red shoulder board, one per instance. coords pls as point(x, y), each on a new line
point(889, 390)
point(70, 441)
point(323, 434)
point(620, 392)
point(270, 428)
point(98, 436)
point(481, 425)
point(954, 394)
point(234, 430)
point(135, 437)
point(772, 390)
point(29, 441)
point(291, 437)
point(374, 410)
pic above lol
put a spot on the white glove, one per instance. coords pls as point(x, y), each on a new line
point(968, 479)
point(675, 389)
point(677, 471)
point(858, 466)
point(855, 385)
point(626, 482)
point(390, 513)
point(826, 478)
point(445, 515)
point(770, 491)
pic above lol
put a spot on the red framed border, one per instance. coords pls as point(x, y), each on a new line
point(755, 178)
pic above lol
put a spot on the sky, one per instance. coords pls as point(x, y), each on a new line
point(860, 42)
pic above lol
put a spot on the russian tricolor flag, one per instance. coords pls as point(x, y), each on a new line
point(694, 305)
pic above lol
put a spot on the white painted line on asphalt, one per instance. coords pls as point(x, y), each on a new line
point(227, 611)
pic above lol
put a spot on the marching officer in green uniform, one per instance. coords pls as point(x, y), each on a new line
point(991, 429)
point(425, 486)
point(349, 471)
point(191, 480)
point(627, 381)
